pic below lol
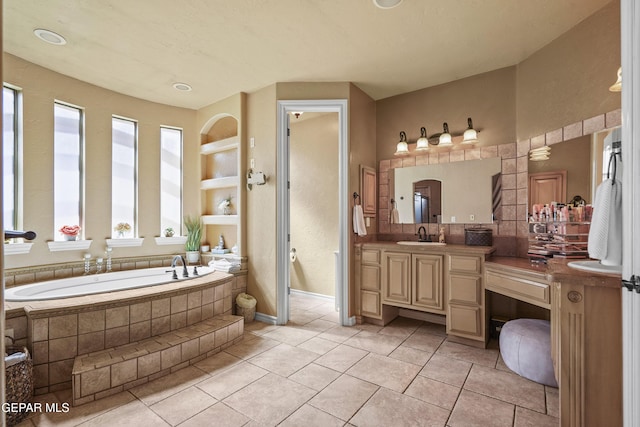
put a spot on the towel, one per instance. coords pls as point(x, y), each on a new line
point(394, 217)
point(605, 234)
point(358, 221)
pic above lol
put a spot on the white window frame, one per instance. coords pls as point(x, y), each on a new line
point(18, 183)
point(177, 228)
point(115, 221)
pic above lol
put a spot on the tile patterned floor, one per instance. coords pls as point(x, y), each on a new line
point(314, 372)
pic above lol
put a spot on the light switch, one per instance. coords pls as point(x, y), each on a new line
point(252, 163)
point(252, 142)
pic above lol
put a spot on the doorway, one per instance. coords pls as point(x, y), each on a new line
point(283, 243)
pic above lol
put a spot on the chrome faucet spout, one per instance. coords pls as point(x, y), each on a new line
point(185, 273)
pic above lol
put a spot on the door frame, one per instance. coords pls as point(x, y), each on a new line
point(283, 206)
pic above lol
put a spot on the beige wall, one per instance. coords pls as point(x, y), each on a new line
point(40, 88)
point(568, 80)
point(488, 98)
point(314, 202)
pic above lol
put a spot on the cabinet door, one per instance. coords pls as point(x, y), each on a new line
point(395, 274)
point(370, 277)
point(368, 187)
point(464, 321)
point(427, 289)
point(371, 305)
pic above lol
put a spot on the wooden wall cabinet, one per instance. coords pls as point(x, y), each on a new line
point(368, 186)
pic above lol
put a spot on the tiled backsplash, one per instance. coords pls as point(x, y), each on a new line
point(511, 231)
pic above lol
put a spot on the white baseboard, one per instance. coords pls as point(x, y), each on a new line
point(329, 298)
point(265, 318)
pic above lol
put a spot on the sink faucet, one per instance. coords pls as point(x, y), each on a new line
point(422, 234)
point(185, 273)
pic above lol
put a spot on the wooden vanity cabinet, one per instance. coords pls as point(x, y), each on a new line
point(465, 289)
point(413, 280)
point(370, 298)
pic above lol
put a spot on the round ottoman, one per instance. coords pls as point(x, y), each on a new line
point(525, 347)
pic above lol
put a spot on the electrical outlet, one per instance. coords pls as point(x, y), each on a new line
point(453, 219)
point(252, 163)
point(472, 217)
point(252, 142)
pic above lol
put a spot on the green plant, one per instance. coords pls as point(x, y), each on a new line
point(194, 233)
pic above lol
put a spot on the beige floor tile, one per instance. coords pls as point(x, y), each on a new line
point(411, 355)
point(369, 327)
point(506, 386)
point(376, 343)
point(80, 414)
point(388, 408)
point(308, 416)
point(259, 328)
point(434, 392)
point(183, 405)
point(134, 414)
point(315, 376)
point(269, 400)
point(272, 359)
point(341, 358)
point(318, 345)
point(500, 365)
point(298, 318)
point(474, 409)
point(161, 388)
point(447, 370)
point(291, 336)
point(339, 334)
point(553, 401)
point(480, 356)
point(246, 349)
point(432, 328)
point(384, 371)
point(227, 382)
point(318, 326)
point(219, 415)
point(424, 342)
point(218, 362)
point(332, 316)
point(528, 418)
point(343, 397)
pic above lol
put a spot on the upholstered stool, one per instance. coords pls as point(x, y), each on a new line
point(525, 346)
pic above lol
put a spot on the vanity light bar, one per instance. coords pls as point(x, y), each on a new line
point(444, 139)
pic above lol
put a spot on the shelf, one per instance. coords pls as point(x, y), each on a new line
point(124, 243)
point(221, 145)
point(175, 240)
point(17, 248)
point(226, 182)
point(220, 219)
point(69, 245)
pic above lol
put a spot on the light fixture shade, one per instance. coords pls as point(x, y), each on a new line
point(445, 136)
point(402, 148)
point(617, 86)
point(540, 154)
point(423, 141)
point(470, 135)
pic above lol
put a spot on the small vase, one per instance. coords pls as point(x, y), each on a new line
point(70, 238)
point(120, 234)
point(193, 257)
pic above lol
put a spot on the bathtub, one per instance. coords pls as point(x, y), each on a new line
point(98, 283)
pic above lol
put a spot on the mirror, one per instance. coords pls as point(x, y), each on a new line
point(458, 192)
point(575, 168)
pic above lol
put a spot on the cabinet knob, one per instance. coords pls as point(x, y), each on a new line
point(574, 296)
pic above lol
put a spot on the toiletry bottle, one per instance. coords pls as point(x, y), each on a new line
point(221, 242)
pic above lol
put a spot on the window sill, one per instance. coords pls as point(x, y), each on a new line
point(176, 240)
point(17, 248)
point(125, 242)
point(73, 245)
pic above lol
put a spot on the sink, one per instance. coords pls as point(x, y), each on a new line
point(595, 267)
point(414, 243)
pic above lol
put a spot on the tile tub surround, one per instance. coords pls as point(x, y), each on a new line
point(511, 231)
point(60, 330)
point(103, 373)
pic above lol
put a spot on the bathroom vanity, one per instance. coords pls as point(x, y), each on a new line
point(442, 280)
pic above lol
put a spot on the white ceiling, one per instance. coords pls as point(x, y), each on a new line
point(222, 47)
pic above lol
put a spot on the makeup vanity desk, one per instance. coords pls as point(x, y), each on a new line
point(586, 332)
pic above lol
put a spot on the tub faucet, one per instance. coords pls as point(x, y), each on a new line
point(185, 273)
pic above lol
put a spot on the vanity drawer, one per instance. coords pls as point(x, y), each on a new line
point(465, 290)
point(464, 321)
point(371, 306)
point(519, 287)
point(465, 263)
point(370, 256)
point(370, 277)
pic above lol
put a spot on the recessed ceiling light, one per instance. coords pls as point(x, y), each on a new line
point(387, 4)
point(49, 36)
point(183, 87)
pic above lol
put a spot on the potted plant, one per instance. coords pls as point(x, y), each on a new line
point(168, 232)
point(194, 235)
point(70, 232)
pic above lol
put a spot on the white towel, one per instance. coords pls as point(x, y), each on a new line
point(605, 234)
point(394, 217)
point(358, 221)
